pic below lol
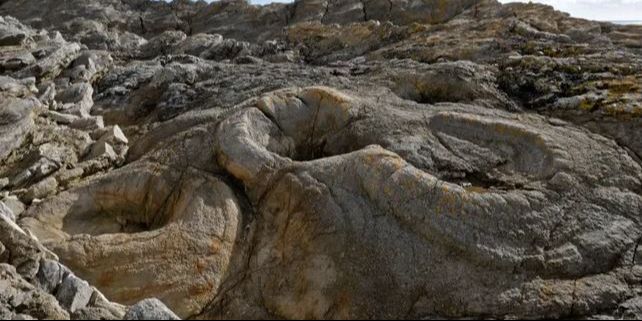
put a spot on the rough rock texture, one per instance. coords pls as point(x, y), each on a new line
point(150, 309)
point(320, 159)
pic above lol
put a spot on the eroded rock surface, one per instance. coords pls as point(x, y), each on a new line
point(320, 159)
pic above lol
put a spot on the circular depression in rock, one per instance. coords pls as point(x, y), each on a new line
point(369, 215)
point(145, 231)
point(305, 124)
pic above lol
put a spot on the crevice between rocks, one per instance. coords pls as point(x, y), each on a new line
point(635, 252)
point(364, 9)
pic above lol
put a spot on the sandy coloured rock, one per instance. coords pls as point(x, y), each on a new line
point(318, 160)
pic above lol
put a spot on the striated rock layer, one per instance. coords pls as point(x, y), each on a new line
point(321, 159)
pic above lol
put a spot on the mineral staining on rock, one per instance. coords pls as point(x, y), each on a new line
point(182, 222)
point(321, 159)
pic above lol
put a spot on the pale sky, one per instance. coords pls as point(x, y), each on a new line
point(590, 9)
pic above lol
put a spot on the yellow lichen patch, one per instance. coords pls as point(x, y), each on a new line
point(411, 182)
point(348, 35)
point(416, 28)
point(450, 202)
point(587, 105)
point(623, 110)
point(327, 96)
point(476, 189)
point(622, 99)
point(628, 84)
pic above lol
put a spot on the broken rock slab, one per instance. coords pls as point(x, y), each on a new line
point(14, 204)
point(150, 309)
point(15, 122)
point(114, 136)
point(48, 94)
point(17, 294)
point(88, 123)
point(17, 61)
point(51, 275)
point(74, 293)
point(12, 32)
point(77, 99)
point(7, 212)
point(102, 149)
point(41, 190)
point(24, 252)
point(60, 118)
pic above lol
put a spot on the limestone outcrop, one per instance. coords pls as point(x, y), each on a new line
point(317, 160)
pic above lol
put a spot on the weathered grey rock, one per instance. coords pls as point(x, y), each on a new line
point(97, 35)
point(102, 150)
point(90, 123)
point(48, 96)
point(77, 99)
point(61, 118)
point(41, 189)
point(96, 60)
point(15, 123)
point(48, 158)
point(18, 294)
point(14, 204)
point(161, 44)
point(23, 251)
point(324, 159)
point(73, 293)
point(50, 275)
point(463, 82)
point(631, 309)
point(12, 32)
point(196, 45)
point(17, 61)
point(94, 313)
point(232, 19)
point(60, 55)
point(6, 212)
point(9, 220)
point(13, 87)
point(150, 309)
point(2, 253)
point(66, 177)
point(88, 66)
point(99, 304)
point(209, 225)
point(114, 135)
point(305, 116)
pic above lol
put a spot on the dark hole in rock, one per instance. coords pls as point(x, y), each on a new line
point(432, 90)
point(311, 151)
point(481, 183)
point(105, 222)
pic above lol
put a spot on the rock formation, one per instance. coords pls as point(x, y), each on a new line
point(319, 159)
